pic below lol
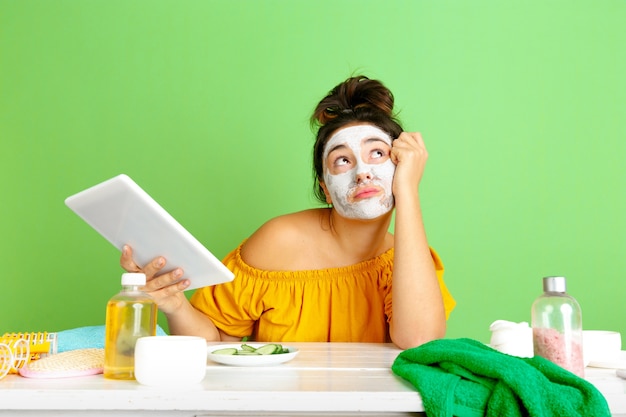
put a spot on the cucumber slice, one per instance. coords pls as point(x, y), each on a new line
point(225, 351)
point(269, 349)
point(248, 348)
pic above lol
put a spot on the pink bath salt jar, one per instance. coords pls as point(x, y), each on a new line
point(557, 326)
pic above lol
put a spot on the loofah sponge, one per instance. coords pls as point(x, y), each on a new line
point(73, 363)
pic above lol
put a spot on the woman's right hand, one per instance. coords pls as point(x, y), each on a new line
point(166, 289)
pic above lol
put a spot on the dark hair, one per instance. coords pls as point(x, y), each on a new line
point(356, 100)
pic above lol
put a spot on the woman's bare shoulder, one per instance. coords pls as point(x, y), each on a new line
point(279, 242)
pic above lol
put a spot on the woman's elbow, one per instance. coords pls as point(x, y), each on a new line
point(407, 341)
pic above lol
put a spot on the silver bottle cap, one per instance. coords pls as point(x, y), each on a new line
point(554, 284)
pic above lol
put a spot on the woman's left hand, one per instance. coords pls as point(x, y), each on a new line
point(409, 154)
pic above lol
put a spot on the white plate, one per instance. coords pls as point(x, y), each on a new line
point(250, 360)
point(619, 362)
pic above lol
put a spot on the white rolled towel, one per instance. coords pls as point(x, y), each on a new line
point(512, 338)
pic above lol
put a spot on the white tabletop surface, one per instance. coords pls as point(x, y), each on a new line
point(333, 378)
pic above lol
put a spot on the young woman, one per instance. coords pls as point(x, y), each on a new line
point(334, 273)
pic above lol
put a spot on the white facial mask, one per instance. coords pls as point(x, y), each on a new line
point(344, 186)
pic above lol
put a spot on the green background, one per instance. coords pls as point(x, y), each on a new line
point(205, 104)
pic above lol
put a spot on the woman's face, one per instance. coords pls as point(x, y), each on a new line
point(358, 172)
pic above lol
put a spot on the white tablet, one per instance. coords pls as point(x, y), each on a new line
point(124, 213)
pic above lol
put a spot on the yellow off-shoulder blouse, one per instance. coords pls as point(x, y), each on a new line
point(347, 304)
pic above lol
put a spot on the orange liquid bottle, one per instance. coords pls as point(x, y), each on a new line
point(130, 314)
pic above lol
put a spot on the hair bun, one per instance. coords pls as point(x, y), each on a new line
point(356, 94)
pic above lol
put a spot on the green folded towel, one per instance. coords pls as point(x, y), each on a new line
point(466, 378)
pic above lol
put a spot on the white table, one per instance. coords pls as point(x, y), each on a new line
point(341, 379)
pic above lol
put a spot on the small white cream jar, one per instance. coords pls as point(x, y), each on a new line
point(170, 360)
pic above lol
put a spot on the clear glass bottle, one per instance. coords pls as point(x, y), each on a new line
point(557, 326)
point(130, 314)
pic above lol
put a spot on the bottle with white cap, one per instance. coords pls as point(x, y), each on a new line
point(557, 326)
point(130, 314)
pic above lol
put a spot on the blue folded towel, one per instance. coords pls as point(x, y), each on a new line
point(466, 378)
point(86, 337)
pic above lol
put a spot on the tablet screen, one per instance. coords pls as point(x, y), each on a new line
point(123, 213)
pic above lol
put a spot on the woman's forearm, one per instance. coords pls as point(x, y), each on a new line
point(418, 310)
point(189, 321)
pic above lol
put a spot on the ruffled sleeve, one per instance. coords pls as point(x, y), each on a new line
point(448, 301)
point(232, 306)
